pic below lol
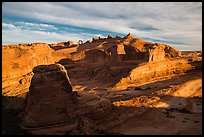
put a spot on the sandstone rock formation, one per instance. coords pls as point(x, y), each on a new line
point(70, 42)
point(117, 36)
point(154, 71)
point(109, 37)
point(113, 83)
point(50, 98)
point(80, 42)
point(22, 59)
point(156, 52)
point(93, 106)
point(51, 102)
point(95, 39)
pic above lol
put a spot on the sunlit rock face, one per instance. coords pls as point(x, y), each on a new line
point(155, 71)
point(18, 60)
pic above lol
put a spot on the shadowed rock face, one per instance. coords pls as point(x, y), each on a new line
point(93, 106)
point(51, 102)
point(50, 99)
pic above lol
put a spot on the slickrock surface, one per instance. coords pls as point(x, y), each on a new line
point(155, 71)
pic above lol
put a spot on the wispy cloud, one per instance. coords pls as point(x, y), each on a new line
point(13, 34)
point(36, 26)
point(8, 26)
point(179, 22)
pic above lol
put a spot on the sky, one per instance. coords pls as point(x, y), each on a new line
point(178, 24)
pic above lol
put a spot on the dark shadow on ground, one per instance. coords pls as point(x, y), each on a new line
point(62, 47)
point(12, 109)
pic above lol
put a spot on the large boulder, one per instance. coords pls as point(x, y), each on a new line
point(50, 99)
point(53, 108)
point(93, 106)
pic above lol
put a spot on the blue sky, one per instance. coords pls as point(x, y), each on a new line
point(175, 23)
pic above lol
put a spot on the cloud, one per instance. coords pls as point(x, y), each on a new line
point(8, 26)
point(36, 26)
point(180, 22)
point(13, 34)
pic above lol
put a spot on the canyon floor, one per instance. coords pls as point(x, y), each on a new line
point(164, 102)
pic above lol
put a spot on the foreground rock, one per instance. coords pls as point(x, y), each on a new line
point(50, 98)
point(51, 103)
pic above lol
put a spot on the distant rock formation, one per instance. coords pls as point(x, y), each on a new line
point(154, 71)
point(69, 43)
point(23, 57)
point(88, 41)
point(109, 37)
point(19, 59)
point(171, 52)
point(156, 52)
point(95, 39)
point(117, 36)
point(80, 42)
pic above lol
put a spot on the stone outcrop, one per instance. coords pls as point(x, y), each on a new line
point(95, 55)
point(51, 103)
point(80, 42)
point(116, 53)
point(18, 60)
point(92, 106)
point(95, 39)
point(26, 79)
point(70, 43)
point(156, 52)
point(117, 36)
point(50, 98)
point(171, 52)
point(109, 37)
point(155, 71)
